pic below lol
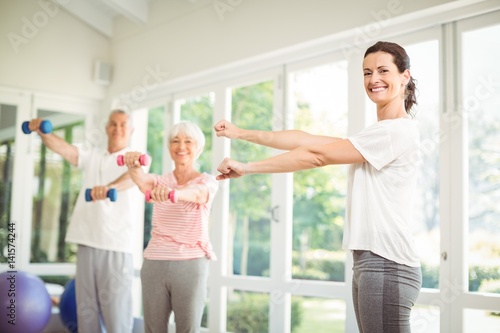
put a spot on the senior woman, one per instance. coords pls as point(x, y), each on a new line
point(175, 268)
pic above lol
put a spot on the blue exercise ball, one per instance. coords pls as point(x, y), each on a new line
point(25, 303)
point(67, 307)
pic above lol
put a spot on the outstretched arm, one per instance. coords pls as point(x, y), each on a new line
point(283, 140)
point(301, 158)
point(195, 193)
point(124, 182)
point(68, 151)
point(143, 180)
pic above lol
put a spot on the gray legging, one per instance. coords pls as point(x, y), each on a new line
point(383, 293)
point(174, 285)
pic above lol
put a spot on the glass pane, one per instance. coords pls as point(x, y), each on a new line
point(247, 312)
point(425, 319)
point(156, 133)
point(481, 321)
point(425, 69)
point(199, 110)
point(56, 187)
point(310, 314)
point(8, 114)
point(319, 105)
point(480, 101)
point(250, 197)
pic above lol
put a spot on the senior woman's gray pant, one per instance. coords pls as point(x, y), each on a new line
point(178, 286)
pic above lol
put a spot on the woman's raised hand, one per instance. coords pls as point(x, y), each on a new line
point(225, 128)
point(160, 194)
point(231, 169)
point(131, 159)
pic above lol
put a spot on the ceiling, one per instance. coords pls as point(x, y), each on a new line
point(99, 14)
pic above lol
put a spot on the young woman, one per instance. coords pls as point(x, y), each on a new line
point(384, 158)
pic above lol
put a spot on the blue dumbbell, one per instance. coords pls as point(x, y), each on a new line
point(112, 194)
point(45, 127)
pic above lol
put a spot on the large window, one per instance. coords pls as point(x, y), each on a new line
point(318, 103)
point(479, 107)
point(250, 197)
point(480, 103)
point(38, 188)
point(56, 187)
point(319, 106)
point(425, 69)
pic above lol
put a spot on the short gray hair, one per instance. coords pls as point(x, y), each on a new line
point(120, 111)
point(190, 130)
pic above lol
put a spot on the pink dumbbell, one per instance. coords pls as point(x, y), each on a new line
point(143, 159)
point(147, 195)
point(171, 196)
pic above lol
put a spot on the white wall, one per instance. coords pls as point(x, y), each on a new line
point(186, 37)
point(43, 48)
point(47, 49)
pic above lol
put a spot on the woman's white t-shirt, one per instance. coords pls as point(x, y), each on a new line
point(381, 191)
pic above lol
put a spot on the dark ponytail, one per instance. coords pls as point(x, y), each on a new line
point(410, 95)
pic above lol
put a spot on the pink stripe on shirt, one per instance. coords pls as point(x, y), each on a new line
point(180, 230)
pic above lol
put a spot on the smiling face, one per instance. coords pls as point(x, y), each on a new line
point(118, 130)
point(384, 84)
point(183, 150)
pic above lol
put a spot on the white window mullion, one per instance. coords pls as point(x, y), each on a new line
point(281, 227)
point(358, 118)
point(219, 220)
point(453, 280)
